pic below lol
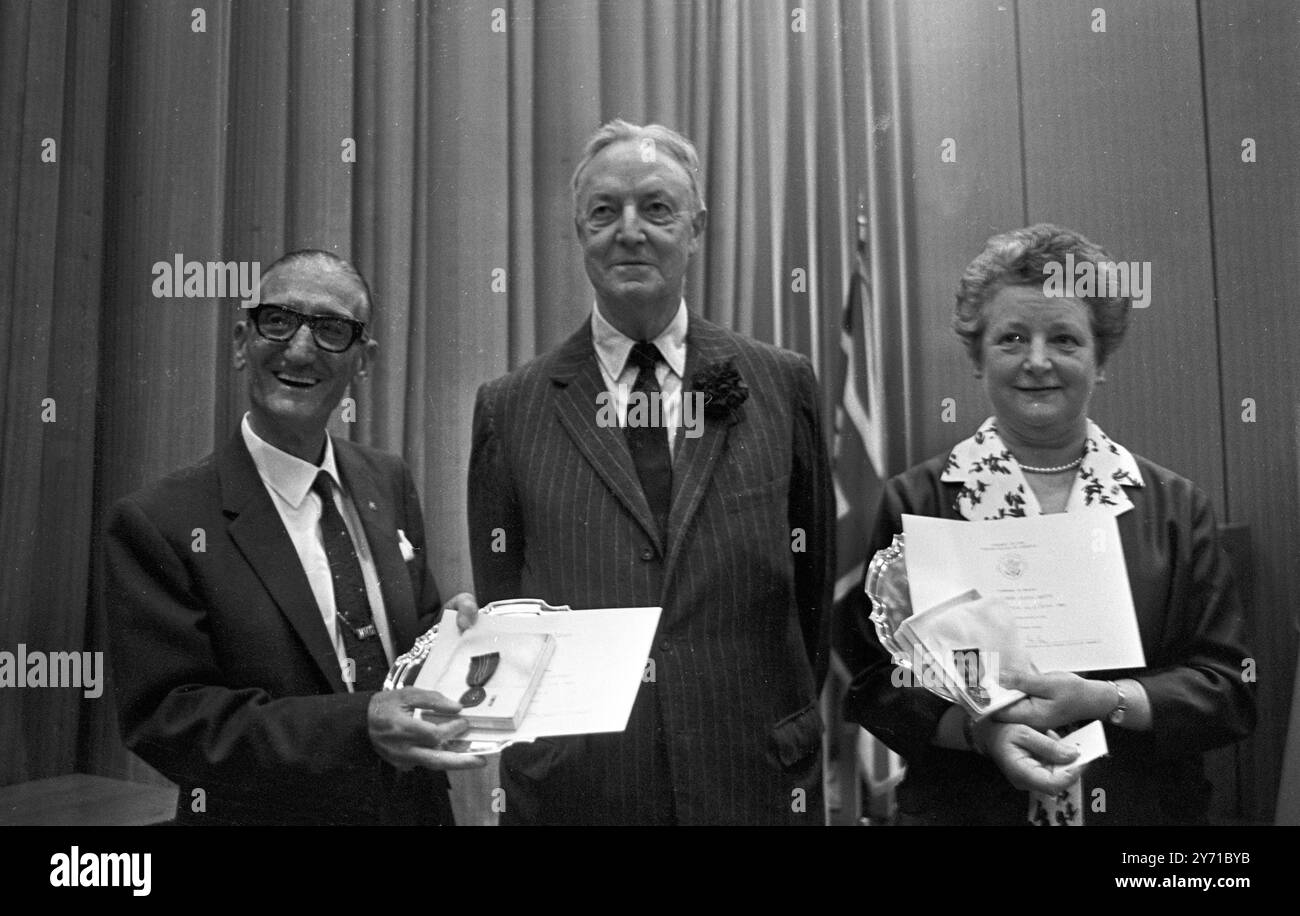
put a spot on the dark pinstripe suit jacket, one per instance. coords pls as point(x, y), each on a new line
point(725, 728)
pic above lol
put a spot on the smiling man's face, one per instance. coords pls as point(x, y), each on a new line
point(294, 385)
point(638, 225)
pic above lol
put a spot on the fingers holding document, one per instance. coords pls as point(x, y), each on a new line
point(407, 741)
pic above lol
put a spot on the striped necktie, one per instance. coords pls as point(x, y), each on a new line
point(351, 604)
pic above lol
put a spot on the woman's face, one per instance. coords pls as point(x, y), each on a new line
point(1039, 361)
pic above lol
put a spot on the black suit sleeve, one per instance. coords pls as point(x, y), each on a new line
point(180, 711)
point(496, 525)
point(812, 510)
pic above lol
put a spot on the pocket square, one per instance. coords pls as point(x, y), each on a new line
point(408, 552)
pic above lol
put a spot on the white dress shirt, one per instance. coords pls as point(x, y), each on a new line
point(288, 479)
point(612, 350)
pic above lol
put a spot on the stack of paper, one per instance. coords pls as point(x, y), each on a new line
point(588, 685)
point(516, 671)
point(1061, 579)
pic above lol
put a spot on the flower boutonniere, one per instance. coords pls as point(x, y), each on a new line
point(723, 389)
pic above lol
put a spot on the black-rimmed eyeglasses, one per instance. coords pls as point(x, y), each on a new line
point(332, 333)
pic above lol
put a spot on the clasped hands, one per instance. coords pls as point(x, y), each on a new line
point(1021, 738)
point(406, 741)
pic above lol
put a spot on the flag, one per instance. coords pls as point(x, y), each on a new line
point(860, 471)
point(859, 468)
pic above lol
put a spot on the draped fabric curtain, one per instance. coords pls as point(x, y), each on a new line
point(432, 144)
point(54, 69)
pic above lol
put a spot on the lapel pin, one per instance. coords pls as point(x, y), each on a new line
point(371, 505)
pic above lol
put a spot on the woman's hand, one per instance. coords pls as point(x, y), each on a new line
point(1056, 699)
point(1028, 759)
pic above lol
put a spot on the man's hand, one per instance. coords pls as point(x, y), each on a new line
point(466, 610)
point(1027, 758)
point(407, 742)
point(1055, 699)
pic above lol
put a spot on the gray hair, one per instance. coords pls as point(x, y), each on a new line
point(329, 260)
point(664, 138)
point(1017, 258)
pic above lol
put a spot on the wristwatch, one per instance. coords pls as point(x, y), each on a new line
point(1116, 715)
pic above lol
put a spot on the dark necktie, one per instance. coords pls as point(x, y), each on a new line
point(649, 443)
point(351, 604)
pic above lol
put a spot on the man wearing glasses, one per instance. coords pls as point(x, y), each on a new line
point(257, 599)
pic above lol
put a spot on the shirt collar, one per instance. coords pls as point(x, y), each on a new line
point(288, 475)
point(613, 346)
point(993, 485)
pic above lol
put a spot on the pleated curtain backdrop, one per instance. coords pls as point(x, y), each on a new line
point(227, 136)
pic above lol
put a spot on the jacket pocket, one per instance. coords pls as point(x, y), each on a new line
point(798, 736)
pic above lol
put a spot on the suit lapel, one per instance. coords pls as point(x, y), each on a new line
point(696, 458)
point(380, 524)
point(259, 533)
point(578, 382)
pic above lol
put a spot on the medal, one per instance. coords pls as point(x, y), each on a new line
point(481, 669)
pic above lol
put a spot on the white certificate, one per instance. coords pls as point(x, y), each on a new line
point(590, 682)
point(1062, 575)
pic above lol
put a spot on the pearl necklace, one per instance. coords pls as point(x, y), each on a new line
point(1065, 467)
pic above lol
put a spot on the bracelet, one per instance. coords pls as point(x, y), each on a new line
point(1116, 715)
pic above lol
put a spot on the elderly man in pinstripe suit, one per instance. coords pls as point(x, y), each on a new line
point(596, 482)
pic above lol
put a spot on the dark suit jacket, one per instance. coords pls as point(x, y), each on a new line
point(226, 677)
point(727, 730)
point(1190, 621)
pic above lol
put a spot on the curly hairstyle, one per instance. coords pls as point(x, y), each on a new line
point(1018, 258)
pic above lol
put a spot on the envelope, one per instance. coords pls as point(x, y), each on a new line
point(971, 639)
